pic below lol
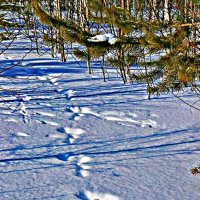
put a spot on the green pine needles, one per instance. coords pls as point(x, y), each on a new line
point(154, 44)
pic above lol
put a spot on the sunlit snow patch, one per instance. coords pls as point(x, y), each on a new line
point(84, 159)
point(21, 134)
point(124, 119)
point(6, 112)
point(112, 41)
point(76, 118)
point(85, 167)
point(42, 78)
point(98, 38)
point(71, 140)
point(74, 131)
point(100, 196)
point(103, 38)
point(11, 120)
point(70, 93)
point(84, 173)
point(85, 110)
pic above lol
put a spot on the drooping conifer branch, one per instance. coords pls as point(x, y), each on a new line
point(69, 30)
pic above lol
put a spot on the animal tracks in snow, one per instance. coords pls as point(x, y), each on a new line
point(67, 133)
point(122, 118)
point(130, 118)
point(70, 94)
point(82, 166)
point(53, 78)
point(73, 133)
point(26, 98)
point(74, 109)
point(45, 114)
point(39, 106)
point(149, 122)
point(81, 162)
point(78, 112)
point(23, 110)
point(52, 123)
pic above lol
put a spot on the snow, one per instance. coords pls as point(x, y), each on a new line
point(112, 41)
point(21, 134)
point(93, 195)
point(69, 135)
point(104, 37)
point(98, 38)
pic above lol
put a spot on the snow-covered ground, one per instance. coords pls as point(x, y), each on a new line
point(66, 135)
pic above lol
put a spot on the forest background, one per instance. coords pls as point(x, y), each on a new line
point(153, 41)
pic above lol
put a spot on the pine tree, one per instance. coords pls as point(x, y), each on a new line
point(8, 23)
point(143, 30)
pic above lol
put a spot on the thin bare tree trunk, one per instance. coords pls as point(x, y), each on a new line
point(166, 10)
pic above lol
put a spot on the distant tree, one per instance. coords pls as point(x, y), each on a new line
point(9, 25)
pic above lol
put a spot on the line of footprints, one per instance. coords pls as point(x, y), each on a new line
point(70, 134)
point(82, 166)
point(67, 134)
point(81, 162)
